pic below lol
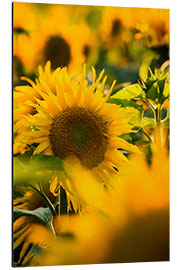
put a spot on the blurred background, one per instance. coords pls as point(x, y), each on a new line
point(124, 41)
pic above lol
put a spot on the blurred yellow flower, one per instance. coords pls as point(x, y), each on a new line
point(24, 53)
point(92, 240)
point(84, 45)
point(59, 42)
point(24, 17)
point(115, 34)
point(136, 228)
point(115, 25)
point(51, 40)
point(83, 240)
point(153, 26)
point(145, 187)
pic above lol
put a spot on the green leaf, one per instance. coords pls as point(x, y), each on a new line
point(26, 170)
point(41, 213)
point(136, 119)
point(152, 92)
point(21, 174)
point(166, 90)
point(125, 103)
point(126, 137)
point(149, 81)
point(148, 122)
point(45, 162)
point(119, 86)
point(147, 60)
point(157, 87)
point(129, 92)
point(161, 83)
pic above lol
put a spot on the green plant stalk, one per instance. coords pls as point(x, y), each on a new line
point(158, 123)
point(149, 138)
point(59, 205)
point(51, 228)
point(156, 110)
point(152, 107)
point(158, 115)
point(63, 202)
point(45, 199)
point(142, 130)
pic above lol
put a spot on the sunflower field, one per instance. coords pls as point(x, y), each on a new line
point(90, 134)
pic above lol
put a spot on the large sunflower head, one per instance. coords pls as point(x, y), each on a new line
point(73, 121)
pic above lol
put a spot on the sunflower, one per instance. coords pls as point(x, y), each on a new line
point(29, 231)
point(20, 96)
point(115, 24)
point(153, 26)
point(24, 17)
point(85, 46)
point(74, 120)
point(24, 23)
point(24, 55)
point(54, 40)
point(49, 39)
point(115, 34)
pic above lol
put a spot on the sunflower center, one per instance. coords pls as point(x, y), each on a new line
point(57, 50)
point(79, 136)
point(86, 50)
point(116, 27)
point(81, 132)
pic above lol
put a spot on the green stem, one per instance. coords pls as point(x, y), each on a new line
point(45, 199)
point(63, 201)
point(156, 110)
point(149, 138)
point(152, 107)
point(158, 115)
point(59, 205)
point(52, 228)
